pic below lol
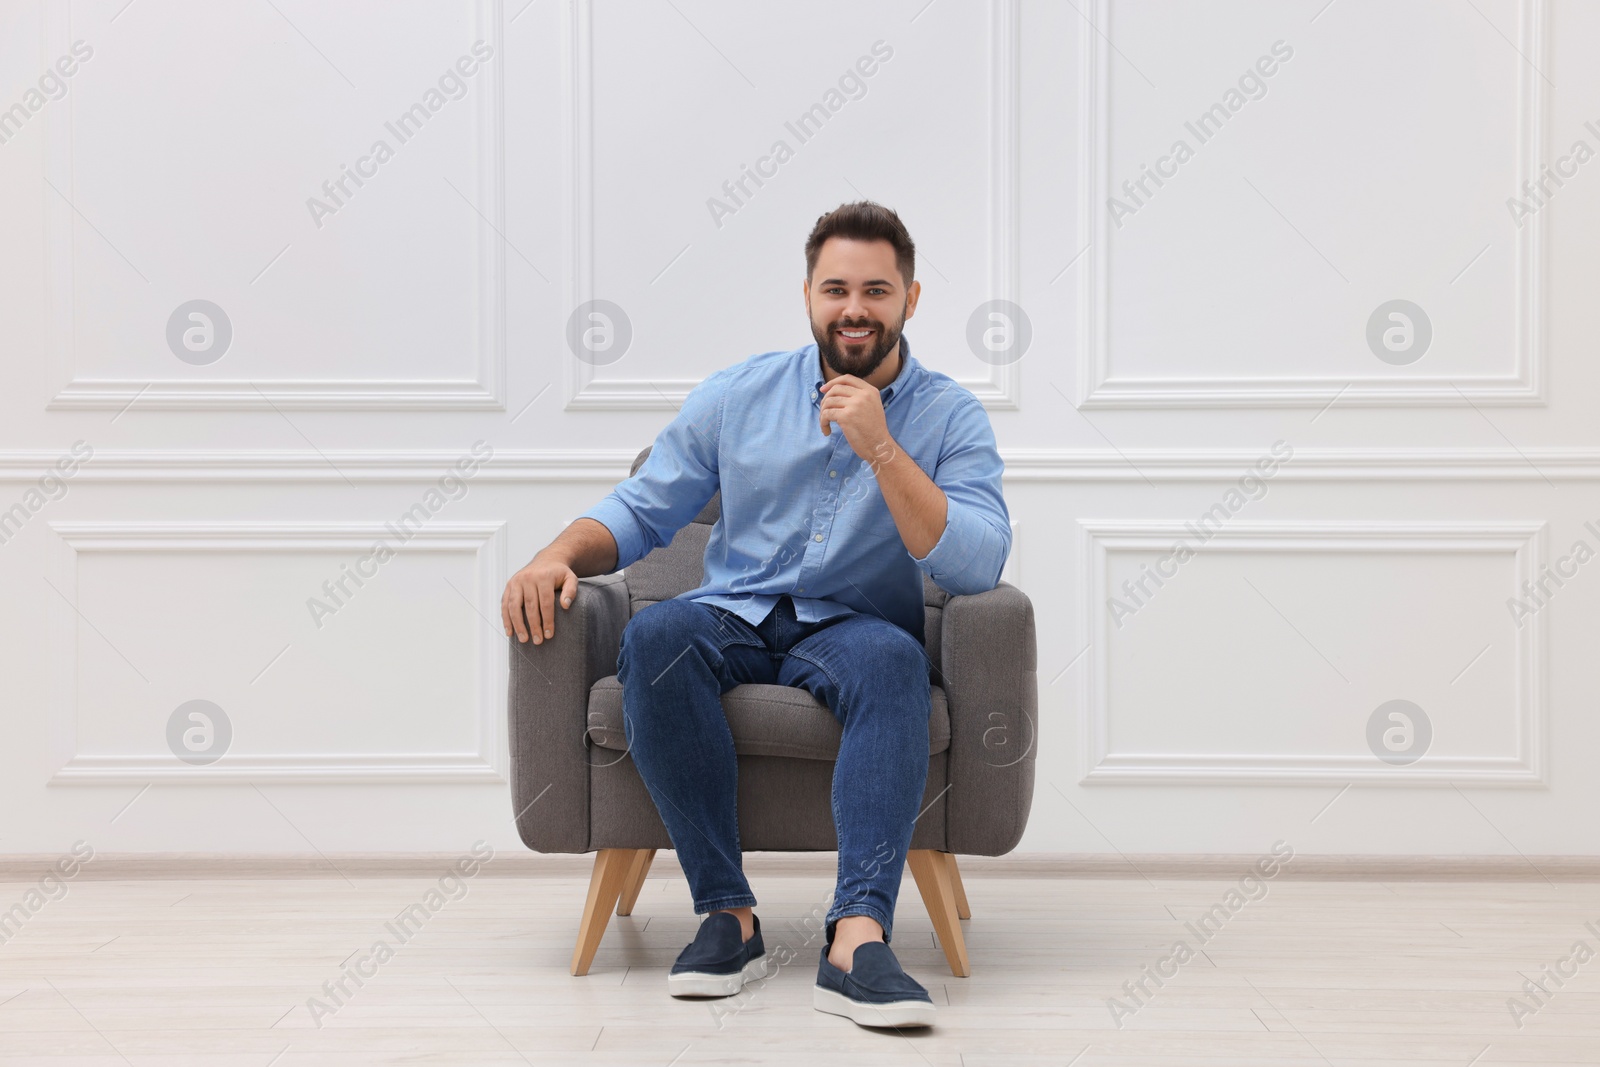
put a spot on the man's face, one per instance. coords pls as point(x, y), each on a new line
point(858, 304)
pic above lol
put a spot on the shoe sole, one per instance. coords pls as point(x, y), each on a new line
point(703, 984)
point(892, 1013)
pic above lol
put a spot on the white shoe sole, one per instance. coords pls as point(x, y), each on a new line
point(701, 984)
point(893, 1013)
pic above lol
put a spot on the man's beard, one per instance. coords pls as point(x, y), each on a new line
point(862, 359)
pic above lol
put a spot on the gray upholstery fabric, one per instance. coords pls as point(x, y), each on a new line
point(548, 704)
point(575, 789)
point(784, 805)
point(990, 657)
point(766, 720)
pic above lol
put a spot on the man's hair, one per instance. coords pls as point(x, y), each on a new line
point(864, 220)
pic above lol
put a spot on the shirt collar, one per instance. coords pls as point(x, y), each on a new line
point(908, 368)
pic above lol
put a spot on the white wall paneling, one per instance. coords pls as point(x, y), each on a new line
point(601, 465)
point(1242, 328)
point(403, 682)
point(999, 388)
point(1227, 311)
point(1263, 655)
point(328, 329)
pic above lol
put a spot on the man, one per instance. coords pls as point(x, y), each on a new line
point(848, 470)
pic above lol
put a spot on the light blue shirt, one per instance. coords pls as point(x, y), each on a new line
point(802, 514)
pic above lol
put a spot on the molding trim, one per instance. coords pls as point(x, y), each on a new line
point(1522, 541)
point(486, 391)
point(999, 390)
point(305, 465)
point(1098, 387)
point(1306, 464)
point(520, 863)
point(483, 542)
point(612, 464)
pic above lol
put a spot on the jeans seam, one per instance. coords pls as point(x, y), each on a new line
point(833, 802)
point(823, 667)
point(726, 902)
point(738, 844)
point(872, 913)
point(714, 655)
point(728, 622)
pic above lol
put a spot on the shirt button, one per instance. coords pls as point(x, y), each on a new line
point(800, 589)
point(833, 474)
point(813, 394)
point(818, 537)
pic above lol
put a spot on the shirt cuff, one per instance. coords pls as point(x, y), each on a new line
point(969, 555)
point(625, 527)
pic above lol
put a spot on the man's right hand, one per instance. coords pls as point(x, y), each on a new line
point(532, 590)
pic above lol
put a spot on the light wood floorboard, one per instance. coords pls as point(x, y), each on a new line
point(181, 972)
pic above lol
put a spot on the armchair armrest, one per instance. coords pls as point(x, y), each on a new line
point(988, 655)
point(548, 708)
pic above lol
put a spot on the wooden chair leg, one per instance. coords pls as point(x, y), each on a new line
point(611, 866)
point(932, 873)
point(635, 880)
point(963, 909)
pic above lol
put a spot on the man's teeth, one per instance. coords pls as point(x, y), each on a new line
point(855, 333)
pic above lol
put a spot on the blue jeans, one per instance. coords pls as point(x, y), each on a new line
point(678, 657)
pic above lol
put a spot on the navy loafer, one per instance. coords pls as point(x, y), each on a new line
point(876, 991)
point(718, 962)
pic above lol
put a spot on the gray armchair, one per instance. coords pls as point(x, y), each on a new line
point(574, 787)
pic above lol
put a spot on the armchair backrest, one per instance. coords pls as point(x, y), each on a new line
point(678, 567)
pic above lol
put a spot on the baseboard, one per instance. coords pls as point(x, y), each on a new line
point(131, 866)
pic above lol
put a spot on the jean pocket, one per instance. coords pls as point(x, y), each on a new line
point(732, 630)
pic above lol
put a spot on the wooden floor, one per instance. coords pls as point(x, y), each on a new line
point(219, 972)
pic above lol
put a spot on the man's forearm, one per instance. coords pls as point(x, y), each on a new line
point(918, 505)
point(586, 546)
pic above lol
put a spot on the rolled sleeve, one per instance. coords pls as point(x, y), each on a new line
point(626, 530)
point(675, 482)
point(976, 540)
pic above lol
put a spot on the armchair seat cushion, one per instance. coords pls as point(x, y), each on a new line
point(766, 720)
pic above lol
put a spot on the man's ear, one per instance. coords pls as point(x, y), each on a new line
point(911, 298)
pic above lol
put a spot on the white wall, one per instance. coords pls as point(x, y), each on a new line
point(1176, 338)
